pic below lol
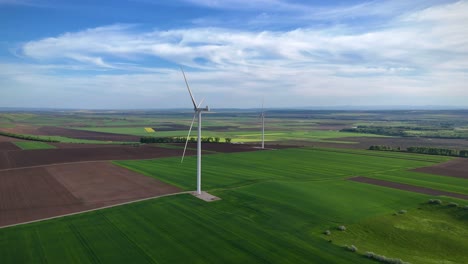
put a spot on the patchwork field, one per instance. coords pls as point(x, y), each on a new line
point(48, 191)
point(275, 207)
point(79, 153)
point(280, 205)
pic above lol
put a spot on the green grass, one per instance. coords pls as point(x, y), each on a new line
point(413, 236)
point(275, 206)
point(33, 145)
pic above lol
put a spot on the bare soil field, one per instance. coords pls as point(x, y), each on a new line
point(82, 134)
point(28, 158)
point(454, 168)
point(407, 187)
point(8, 139)
point(21, 129)
point(7, 146)
point(171, 127)
point(36, 193)
point(403, 143)
point(331, 126)
point(72, 133)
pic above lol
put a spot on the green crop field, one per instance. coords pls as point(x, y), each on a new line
point(275, 207)
point(239, 136)
point(33, 145)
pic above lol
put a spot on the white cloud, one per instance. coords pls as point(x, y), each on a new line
point(416, 54)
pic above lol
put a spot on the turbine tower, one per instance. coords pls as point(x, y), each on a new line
point(263, 126)
point(198, 112)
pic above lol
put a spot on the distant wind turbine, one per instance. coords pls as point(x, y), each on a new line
point(262, 115)
point(198, 112)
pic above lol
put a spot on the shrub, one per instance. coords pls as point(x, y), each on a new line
point(452, 204)
point(402, 212)
point(327, 232)
point(384, 259)
point(435, 201)
point(342, 228)
point(351, 248)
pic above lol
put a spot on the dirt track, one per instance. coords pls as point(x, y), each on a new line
point(37, 193)
point(407, 187)
point(454, 168)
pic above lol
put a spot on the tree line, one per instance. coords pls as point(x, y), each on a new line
point(424, 150)
point(183, 140)
point(28, 137)
point(405, 131)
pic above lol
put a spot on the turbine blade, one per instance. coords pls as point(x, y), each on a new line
point(201, 102)
point(263, 101)
point(188, 136)
point(188, 87)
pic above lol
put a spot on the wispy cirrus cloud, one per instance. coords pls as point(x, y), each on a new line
point(410, 58)
point(414, 41)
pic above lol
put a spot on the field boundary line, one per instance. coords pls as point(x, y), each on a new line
point(96, 209)
point(407, 187)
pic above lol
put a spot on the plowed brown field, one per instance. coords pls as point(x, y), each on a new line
point(407, 187)
point(28, 158)
point(36, 193)
point(82, 134)
point(454, 168)
point(71, 133)
point(8, 139)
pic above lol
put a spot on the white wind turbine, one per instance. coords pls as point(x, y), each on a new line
point(262, 115)
point(198, 112)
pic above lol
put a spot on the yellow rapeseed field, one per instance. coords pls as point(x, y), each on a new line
point(149, 130)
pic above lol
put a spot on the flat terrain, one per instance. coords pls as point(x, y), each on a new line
point(81, 134)
point(275, 204)
point(8, 139)
point(454, 168)
point(403, 142)
point(34, 145)
point(28, 158)
point(271, 201)
point(7, 146)
point(37, 193)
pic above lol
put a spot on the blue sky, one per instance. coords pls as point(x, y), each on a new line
point(126, 54)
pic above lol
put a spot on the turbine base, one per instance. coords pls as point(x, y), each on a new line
point(205, 196)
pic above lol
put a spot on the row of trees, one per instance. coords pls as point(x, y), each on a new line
point(27, 137)
point(384, 148)
point(424, 150)
point(438, 151)
point(182, 140)
point(404, 131)
point(388, 131)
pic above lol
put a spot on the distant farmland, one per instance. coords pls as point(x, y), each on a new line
point(275, 208)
